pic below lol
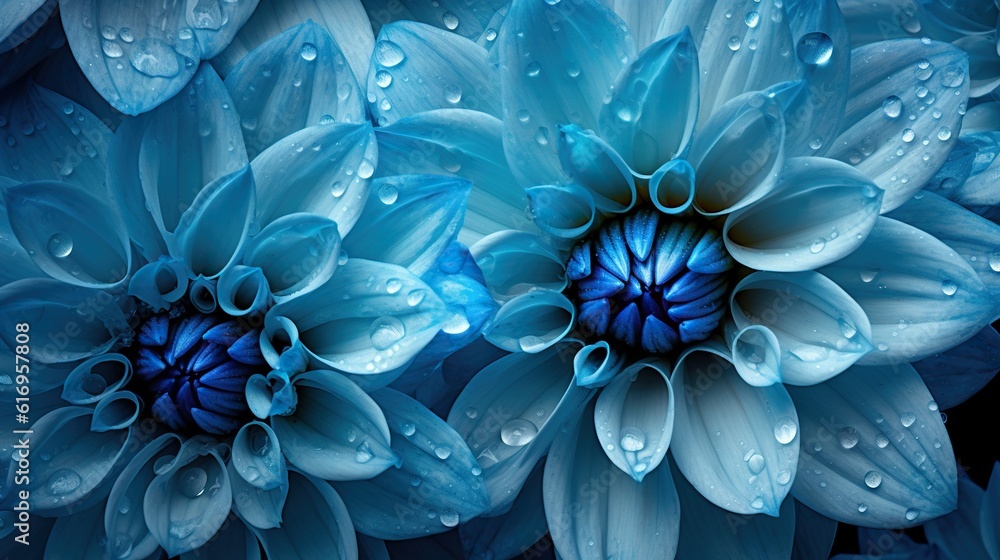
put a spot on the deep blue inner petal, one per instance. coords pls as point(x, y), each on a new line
point(651, 281)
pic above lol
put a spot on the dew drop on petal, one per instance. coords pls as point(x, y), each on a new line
point(388, 54)
point(814, 48)
point(881, 441)
point(449, 518)
point(873, 479)
point(386, 331)
point(912, 514)
point(518, 432)
point(848, 437)
point(785, 430)
point(633, 439)
point(60, 245)
point(192, 482)
point(949, 288)
point(907, 419)
point(64, 481)
point(308, 52)
point(892, 106)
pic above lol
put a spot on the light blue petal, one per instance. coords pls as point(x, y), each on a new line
point(989, 516)
point(258, 507)
point(965, 176)
point(975, 239)
point(159, 162)
point(814, 534)
point(211, 233)
point(737, 154)
point(709, 531)
point(820, 211)
point(890, 82)
point(294, 80)
point(336, 431)
point(510, 534)
point(271, 395)
point(821, 331)
point(344, 20)
point(634, 417)
point(70, 234)
point(737, 444)
point(437, 486)
point(78, 535)
point(567, 211)
point(532, 322)
point(123, 516)
point(958, 533)
point(911, 284)
point(515, 262)
point(322, 170)
point(671, 188)
point(876, 452)
point(956, 374)
point(877, 21)
point(643, 18)
point(416, 67)
point(243, 290)
point(297, 253)
point(203, 295)
point(159, 283)
point(369, 318)
point(257, 458)
point(189, 500)
point(727, 38)
point(21, 20)
point(215, 26)
point(116, 411)
point(49, 137)
point(409, 220)
point(74, 460)
point(756, 354)
point(591, 163)
point(984, 65)
point(97, 378)
point(982, 118)
point(595, 365)
point(471, 149)
point(463, 18)
point(558, 62)
point(233, 540)
point(315, 524)
point(71, 322)
point(497, 415)
point(613, 509)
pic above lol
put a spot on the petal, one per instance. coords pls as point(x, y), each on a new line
point(737, 154)
point(532, 322)
point(330, 178)
point(409, 220)
point(60, 73)
point(20, 21)
point(984, 66)
point(821, 331)
point(756, 354)
point(257, 507)
point(568, 211)
point(97, 378)
point(344, 20)
point(416, 67)
point(712, 532)
point(545, 78)
point(596, 365)
point(188, 501)
point(617, 508)
point(634, 417)
point(955, 375)
point(123, 516)
point(257, 458)
point(336, 431)
point(510, 534)
point(115, 412)
point(471, 149)
point(461, 17)
point(515, 262)
point(593, 164)
point(958, 533)
point(359, 322)
point(294, 80)
point(48, 39)
point(159, 162)
point(876, 453)
point(726, 38)
point(243, 290)
point(911, 284)
point(891, 81)
point(315, 524)
point(814, 534)
point(78, 535)
point(160, 283)
point(982, 117)
point(671, 188)
point(437, 485)
point(51, 138)
point(203, 295)
point(643, 18)
point(820, 211)
point(965, 176)
point(497, 415)
point(222, 212)
point(728, 432)
point(69, 233)
point(989, 516)
point(297, 253)
point(234, 540)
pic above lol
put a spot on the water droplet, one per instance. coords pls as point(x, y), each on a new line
point(757, 503)
point(944, 133)
point(386, 331)
point(633, 439)
point(363, 453)
point(907, 419)
point(817, 246)
point(734, 43)
point(868, 274)
point(783, 477)
point(192, 482)
point(155, 58)
point(124, 506)
point(393, 285)
point(533, 69)
point(388, 54)
point(443, 452)
point(949, 288)
point(308, 52)
point(932, 406)
point(756, 463)
point(64, 481)
point(184, 33)
point(862, 507)
point(912, 514)
point(848, 437)
point(847, 329)
point(452, 94)
point(491, 34)
point(449, 518)
point(409, 429)
point(471, 412)
point(814, 48)
point(881, 441)
point(752, 19)
point(161, 465)
point(476, 471)
point(518, 432)
point(365, 169)
point(952, 76)
point(892, 106)
point(383, 79)
point(785, 430)
point(60, 245)
point(388, 193)
point(816, 143)
point(415, 481)
point(415, 297)
point(450, 21)
point(908, 135)
point(108, 32)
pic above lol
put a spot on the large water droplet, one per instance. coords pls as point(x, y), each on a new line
point(450, 21)
point(873, 479)
point(892, 106)
point(949, 288)
point(449, 518)
point(756, 463)
point(785, 430)
point(111, 49)
point(64, 481)
point(633, 439)
point(912, 514)
point(533, 69)
point(308, 52)
point(734, 43)
point(388, 193)
point(881, 441)
point(363, 453)
point(907, 419)
point(155, 58)
point(386, 331)
point(409, 429)
point(752, 19)
point(442, 452)
point(452, 94)
point(518, 432)
point(944, 133)
point(60, 245)
point(952, 76)
point(383, 79)
point(848, 437)
point(192, 482)
point(388, 54)
point(814, 48)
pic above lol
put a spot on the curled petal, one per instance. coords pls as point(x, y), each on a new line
point(737, 444)
point(257, 457)
point(117, 411)
point(296, 253)
point(875, 451)
point(820, 329)
point(595, 365)
point(672, 187)
point(97, 378)
point(634, 417)
point(591, 163)
point(532, 322)
point(203, 295)
point(514, 263)
point(243, 290)
point(756, 355)
point(567, 211)
point(159, 283)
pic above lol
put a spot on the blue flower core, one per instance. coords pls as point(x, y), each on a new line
point(651, 281)
point(193, 368)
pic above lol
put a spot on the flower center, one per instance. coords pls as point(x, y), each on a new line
point(651, 281)
point(193, 367)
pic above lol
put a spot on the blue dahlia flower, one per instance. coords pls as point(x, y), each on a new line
point(212, 300)
point(753, 266)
